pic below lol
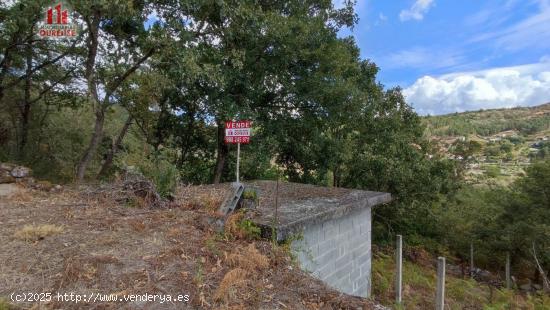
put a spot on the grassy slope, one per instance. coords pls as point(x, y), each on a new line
point(527, 121)
point(529, 124)
point(419, 289)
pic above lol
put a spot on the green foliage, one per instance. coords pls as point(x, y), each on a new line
point(466, 148)
point(492, 171)
point(488, 122)
point(420, 283)
point(250, 194)
point(543, 151)
point(526, 216)
point(5, 305)
point(162, 172)
point(251, 230)
point(499, 220)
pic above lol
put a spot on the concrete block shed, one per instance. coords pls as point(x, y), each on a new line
point(329, 229)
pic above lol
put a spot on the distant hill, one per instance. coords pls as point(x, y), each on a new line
point(494, 145)
point(526, 121)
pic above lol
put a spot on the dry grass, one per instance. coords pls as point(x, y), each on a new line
point(248, 265)
point(174, 232)
point(204, 198)
point(249, 259)
point(233, 280)
point(205, 202)
point(103, 252)
point(85, 268)
point(137, 225)
point(22, 195)
point(232, 225)
point(31, 233)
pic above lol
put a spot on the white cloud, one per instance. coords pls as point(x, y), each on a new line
point(417, 11)
point(524, 85)
point(382, 19)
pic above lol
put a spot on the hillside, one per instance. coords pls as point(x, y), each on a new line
point(87, 241)
point(494, 145)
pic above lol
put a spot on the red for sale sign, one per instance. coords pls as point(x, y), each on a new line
point(237, 131)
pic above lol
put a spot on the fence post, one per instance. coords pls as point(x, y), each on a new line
point(440, 294)
point(508, 280)
point(399, 269)
point(471, 259)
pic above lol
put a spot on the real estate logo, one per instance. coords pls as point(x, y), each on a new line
point(57, 23)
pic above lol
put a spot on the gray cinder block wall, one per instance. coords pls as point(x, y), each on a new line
point(338, 252)
point(334, 225)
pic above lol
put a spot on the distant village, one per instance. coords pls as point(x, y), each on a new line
point(501, 155)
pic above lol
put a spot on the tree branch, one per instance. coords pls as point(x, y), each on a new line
point(116, 83)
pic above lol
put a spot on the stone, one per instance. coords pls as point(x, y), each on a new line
point(20, 172)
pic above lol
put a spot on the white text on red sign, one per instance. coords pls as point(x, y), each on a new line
point(237, 124)
point(242, 140)
point(244, 132)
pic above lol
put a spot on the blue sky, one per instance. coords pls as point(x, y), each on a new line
point(451, 56)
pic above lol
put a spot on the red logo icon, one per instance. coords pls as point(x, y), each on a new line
point(61, 16)
point(57, 24)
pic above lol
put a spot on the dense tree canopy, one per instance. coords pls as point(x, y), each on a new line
point(149, 84)
point(159, 78)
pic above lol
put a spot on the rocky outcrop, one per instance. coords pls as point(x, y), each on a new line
point(12, 173)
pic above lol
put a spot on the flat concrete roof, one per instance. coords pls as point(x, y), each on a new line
point(301, 205)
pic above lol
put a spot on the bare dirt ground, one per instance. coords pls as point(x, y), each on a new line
point(86, 244)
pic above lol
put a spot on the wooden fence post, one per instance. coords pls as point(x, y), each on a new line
point(440, 293)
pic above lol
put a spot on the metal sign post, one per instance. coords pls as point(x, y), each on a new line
point(237, 132)
point(238, 159)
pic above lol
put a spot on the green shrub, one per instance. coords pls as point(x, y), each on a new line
point(156, 167)
point(492, 171)
point(250, 194)
point(5, 305)
point(250, 229)
point(163, 174)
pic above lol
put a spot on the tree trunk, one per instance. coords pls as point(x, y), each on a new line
point(26, 108)
point(92, 147)
point(100, 106)
point(4, 68)
point(545, 281)
point(24, 129)
point(114, 148)
point(187, 136)
point(223, 151)
point(336, 177)
point(89, 75)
